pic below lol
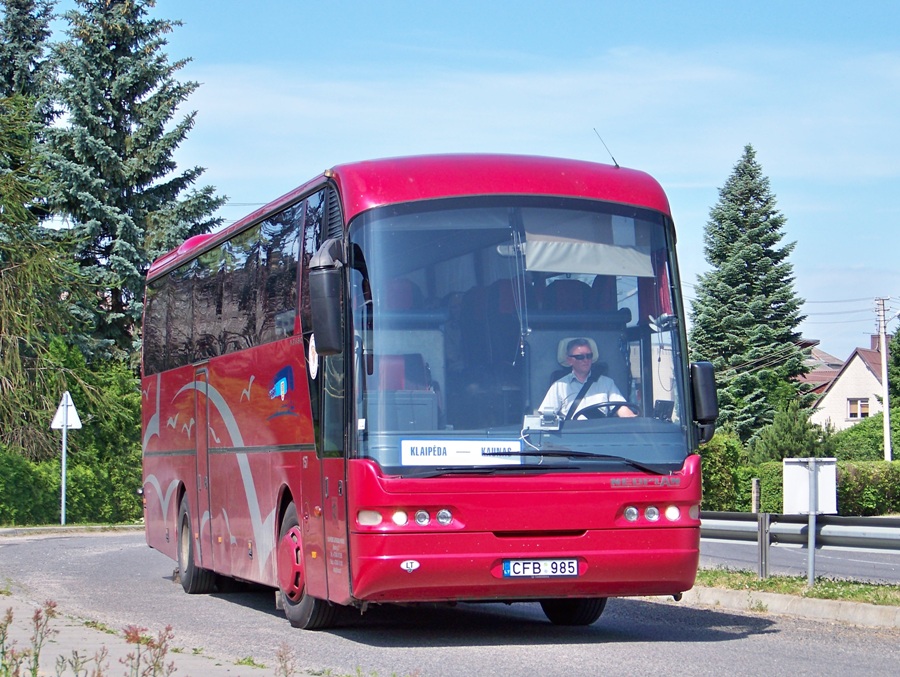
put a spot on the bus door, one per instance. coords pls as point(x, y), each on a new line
point(201, 436)
point(334, 478)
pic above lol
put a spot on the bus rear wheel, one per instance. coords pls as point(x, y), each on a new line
point(194, 579)
point(573, 611)
point(301, 609)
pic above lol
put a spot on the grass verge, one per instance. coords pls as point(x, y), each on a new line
point(824, 588)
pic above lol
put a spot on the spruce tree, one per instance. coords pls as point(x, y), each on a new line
point(25, 69)
point(746, 312)
point(791, 435)
point(113, 160)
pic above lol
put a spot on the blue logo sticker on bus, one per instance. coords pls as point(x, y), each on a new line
point(283, 384)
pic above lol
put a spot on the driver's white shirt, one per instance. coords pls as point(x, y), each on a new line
point(564, 391)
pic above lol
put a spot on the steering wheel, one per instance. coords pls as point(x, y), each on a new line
point(604, 409)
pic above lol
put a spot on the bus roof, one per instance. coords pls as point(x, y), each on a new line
point(374, 183)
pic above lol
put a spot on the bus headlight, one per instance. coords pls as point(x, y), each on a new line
point(651, 513)
point(673, 514)
point(631, 513)
point(400, 518)
point(444, 517)
point(422, 517)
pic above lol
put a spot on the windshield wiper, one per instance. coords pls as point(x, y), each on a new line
point(572, 453)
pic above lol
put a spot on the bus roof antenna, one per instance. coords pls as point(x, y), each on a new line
point(606, 147)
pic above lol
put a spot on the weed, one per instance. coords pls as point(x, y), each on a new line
point(286, 661)
point(758, 606)
point(147, 660)
point(149, 655)
point(249, 662)
point(102, 627)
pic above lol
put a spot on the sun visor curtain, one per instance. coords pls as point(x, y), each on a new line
point(552, 254)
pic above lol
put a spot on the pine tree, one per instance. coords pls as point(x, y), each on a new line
point(746, 312)
point(25, 69)
point(791, 435)
point(114, 158)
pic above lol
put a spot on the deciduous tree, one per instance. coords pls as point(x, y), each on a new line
point(38, 283)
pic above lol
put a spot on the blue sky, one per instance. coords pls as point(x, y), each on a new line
point(289, 88)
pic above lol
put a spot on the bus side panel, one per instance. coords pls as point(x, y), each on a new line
point(169, 455)
point(259, 419)
point(573, 516)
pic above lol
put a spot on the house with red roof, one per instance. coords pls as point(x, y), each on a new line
point(854, 392)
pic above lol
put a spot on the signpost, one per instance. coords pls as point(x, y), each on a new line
point(66, 417)
point(810, 488)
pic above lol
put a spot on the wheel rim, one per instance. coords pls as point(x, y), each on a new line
point(290, 565)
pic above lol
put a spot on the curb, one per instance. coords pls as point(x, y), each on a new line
point(77, 529)
point(856, 613)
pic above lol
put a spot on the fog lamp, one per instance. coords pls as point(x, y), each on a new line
point(368, 518)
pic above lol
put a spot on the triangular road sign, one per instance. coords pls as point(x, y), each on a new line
point(66, 416)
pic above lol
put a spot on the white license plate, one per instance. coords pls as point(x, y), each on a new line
point(529, 568)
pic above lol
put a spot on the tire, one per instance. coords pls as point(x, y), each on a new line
point(302, 610)
point(573, 611)
point(194, 580)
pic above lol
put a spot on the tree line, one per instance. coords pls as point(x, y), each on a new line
point(90, 194)
point(745, 319)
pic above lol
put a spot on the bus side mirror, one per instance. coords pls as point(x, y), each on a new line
point(325, 297)
point(706, 401)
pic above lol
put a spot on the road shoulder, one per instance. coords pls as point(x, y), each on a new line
point(855, 613)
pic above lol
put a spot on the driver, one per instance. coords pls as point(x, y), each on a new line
point(565, 391)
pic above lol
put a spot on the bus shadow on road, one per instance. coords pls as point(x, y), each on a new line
point(625, 620)
point(446, 625)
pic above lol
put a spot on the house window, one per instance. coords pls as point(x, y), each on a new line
point(858, 408)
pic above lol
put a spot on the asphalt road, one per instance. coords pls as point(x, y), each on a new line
point(115, 580)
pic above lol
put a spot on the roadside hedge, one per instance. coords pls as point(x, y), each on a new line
point(864, 488)
point(30, 492)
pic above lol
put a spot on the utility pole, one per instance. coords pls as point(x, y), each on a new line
point(882, 345)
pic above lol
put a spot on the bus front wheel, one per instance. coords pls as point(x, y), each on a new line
point(194, 579)
point(573, 611)
point(301, 609)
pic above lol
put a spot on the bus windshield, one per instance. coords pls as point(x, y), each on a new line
point(465, 314)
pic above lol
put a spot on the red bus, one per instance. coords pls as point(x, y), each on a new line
point(346, 392)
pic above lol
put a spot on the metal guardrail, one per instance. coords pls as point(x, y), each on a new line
point(877, 533)
point(872, 533)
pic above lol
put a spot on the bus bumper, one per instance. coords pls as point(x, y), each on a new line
point(470, 566)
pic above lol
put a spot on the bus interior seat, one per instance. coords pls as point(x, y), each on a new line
point(603, 294)
point(567, 295)
point(402, 372)
point(405, 397)
point(402, 294)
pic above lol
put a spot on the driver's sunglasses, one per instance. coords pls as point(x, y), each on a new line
point(583, 356)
